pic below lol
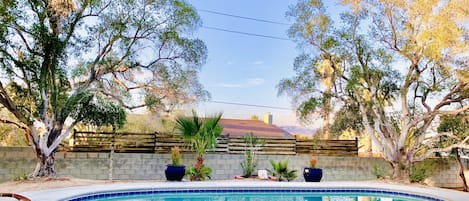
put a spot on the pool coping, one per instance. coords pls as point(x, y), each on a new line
point(70, 192)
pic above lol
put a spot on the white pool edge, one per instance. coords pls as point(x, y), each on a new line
point(64, 193)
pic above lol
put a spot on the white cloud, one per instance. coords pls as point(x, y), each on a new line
point(247, 83)
point(258, 62)
point(224, 85)
point(255, 81)
point(229, 62)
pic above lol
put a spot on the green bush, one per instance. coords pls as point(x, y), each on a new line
point(196, 175)
point(379, 171)
point(281, 171)
point(252, 144)
point(421, 170)
point(21, 176)
point(249, 165)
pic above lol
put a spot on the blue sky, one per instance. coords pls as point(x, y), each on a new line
point(246, 69)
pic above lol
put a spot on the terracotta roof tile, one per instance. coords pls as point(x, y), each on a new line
point(238, 127)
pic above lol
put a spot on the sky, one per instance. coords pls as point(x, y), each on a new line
point(246, 69)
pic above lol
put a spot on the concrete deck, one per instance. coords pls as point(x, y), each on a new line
point(64, 193)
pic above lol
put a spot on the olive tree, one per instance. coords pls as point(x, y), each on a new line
point(70, 61)
point(404, 63)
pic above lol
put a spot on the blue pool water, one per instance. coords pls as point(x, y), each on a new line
point(257, 195)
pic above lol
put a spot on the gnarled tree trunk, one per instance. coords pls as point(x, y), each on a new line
point(461, 171)
point(45, 143)
point(44, 165)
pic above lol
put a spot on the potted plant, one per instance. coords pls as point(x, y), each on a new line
point(175, 171)
point(281, 171)
point(252, 144)
point(202, 134)
point(311, 173)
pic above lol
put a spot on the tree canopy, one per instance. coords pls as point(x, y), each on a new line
point(88, 60)
point(405, 63)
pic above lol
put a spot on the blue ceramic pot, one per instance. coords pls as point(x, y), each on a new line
point(175, 173)
point(312, 174)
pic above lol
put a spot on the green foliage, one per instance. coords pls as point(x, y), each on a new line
point(252, 144)
point(59, 66)
point(175, 156)
point(411, 57)
point(249, 165)
point(21, 176)
point(87, 108)
point(141, 123)
point(281, 171)
point(199, 175)
point(379, 171)
point(422, 170)
point(454, 127)
point(456, 124)
point(346, 118)
point(11, 135)
point(59, 47)
point(201, 133)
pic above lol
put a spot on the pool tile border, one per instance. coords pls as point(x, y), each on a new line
point(247, 190)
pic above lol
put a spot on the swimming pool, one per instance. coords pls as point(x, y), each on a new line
point(303, 191)
point(256, 194)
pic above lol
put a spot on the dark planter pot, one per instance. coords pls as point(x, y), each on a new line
point(312, 174)
point(175, 173)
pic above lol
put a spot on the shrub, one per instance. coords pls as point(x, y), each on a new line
point(196, 175)
point(252, 143)
point(421, 170)
point(378, 171)
point(249, 165)
point(21, 176)
point(281, 171)
point(175, 156)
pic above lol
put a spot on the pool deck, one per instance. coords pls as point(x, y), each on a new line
point(64, 193)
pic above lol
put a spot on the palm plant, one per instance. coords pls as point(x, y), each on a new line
point(202, 134)
point(281, 171)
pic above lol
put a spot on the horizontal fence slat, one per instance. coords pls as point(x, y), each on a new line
point(162, 143)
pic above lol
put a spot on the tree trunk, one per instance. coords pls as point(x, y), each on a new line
point(327, 116)
point(199, 163)
point(369, 149)
point(327, 126)
point(461, 171)
point(400, 172)
point(44, 165)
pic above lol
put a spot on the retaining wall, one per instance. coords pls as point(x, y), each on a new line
point(17, 161)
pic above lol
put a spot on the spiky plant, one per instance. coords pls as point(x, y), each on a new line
point(281, 171)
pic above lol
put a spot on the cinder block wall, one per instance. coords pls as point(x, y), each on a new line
point(17, 161)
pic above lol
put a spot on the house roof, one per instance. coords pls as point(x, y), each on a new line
point(238, 127)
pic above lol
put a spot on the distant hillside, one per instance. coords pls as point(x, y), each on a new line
point(299, 130)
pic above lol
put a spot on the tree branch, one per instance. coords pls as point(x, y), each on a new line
point(20, 126)
point(121, 102)
point(462, 144)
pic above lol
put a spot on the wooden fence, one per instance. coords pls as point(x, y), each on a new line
point(161, 143)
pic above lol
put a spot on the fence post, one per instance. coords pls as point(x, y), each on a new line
point(228, 142)
point(296, 153)
point(356, 144)
point(111, 155)
point(73, 138)
point(155, 140)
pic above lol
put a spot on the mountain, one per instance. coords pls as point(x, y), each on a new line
point(299, 130)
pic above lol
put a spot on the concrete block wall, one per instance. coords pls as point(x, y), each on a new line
point(16, 161)
point(334, 168)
